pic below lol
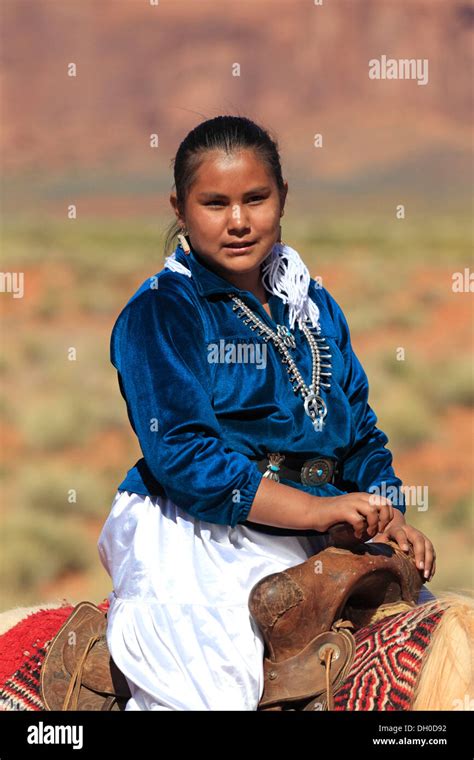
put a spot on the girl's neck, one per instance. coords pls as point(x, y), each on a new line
point(251, 281)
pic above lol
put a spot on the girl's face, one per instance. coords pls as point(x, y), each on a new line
point(233, 201)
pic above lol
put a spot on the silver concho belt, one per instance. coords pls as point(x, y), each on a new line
point(309, 472)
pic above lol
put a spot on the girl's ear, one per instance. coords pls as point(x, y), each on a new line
point(283, 195)
point(174, 206)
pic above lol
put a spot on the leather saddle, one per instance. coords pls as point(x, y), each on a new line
point(306, 615)
point(78, 672)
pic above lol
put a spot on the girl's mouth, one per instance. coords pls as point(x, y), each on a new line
point(242, 247)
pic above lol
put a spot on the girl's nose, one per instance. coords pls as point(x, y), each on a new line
point(238, 218)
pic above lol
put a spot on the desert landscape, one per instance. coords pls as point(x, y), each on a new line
point(84, 141)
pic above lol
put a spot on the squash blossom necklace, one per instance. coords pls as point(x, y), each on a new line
point(285, 275)
point(283, 340)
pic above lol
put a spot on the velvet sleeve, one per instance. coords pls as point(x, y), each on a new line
point(367, 466)
point(158, 346)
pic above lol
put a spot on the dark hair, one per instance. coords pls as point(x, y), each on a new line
point(227, 133)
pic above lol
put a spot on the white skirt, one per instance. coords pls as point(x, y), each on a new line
point(179, 626)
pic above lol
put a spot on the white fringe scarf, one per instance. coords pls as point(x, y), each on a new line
point(284, 274)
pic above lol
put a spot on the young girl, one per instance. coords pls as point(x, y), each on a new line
point(252, 414)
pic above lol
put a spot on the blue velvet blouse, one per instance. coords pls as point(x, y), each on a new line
point(198, 421)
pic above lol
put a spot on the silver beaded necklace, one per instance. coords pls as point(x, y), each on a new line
point(283, 339)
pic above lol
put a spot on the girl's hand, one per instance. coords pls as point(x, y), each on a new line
point(368, 513)
point(404, 535)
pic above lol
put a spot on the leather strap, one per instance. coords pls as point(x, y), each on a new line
point(320, 667)
point(78, 672)
point(71, 700)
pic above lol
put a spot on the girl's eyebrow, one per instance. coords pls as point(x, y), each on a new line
point(254, 191)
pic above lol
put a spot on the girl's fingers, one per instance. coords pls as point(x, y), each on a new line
point(371, 515)
point(378, 513)
point(385, 517)
point(418, 543)
point(429, 558)
point(359, 524)
point(381, 538)
point(401, 538)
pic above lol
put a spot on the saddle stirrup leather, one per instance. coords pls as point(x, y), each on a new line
point(78, 672)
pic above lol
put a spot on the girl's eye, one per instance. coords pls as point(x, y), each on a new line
point(253, 199)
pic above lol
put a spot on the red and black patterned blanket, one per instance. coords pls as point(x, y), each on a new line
point(388, 659)
point(22, 652)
